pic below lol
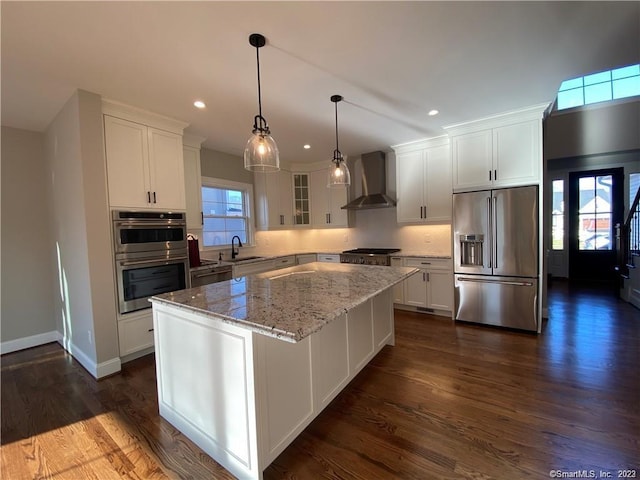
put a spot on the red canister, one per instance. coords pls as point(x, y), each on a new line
point(194, 251)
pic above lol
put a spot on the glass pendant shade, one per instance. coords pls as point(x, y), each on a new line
point(261, 153)
point(338, 174)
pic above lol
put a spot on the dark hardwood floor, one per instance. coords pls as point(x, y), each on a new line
point(449, 401)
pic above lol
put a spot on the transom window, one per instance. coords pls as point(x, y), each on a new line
point(225, 212)
point(599, 87)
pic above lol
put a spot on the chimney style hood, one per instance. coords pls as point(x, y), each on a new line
point(374, 184)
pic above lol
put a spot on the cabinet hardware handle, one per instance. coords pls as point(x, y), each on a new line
point(148, 197)
point(150, 330)
point(425, 263)
point(428, 277)
point(201, 218)
point(154, 197)
point(281, 219)
point(489, 175)
point(495, 174)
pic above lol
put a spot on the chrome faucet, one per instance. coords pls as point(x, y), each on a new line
point(235, 252)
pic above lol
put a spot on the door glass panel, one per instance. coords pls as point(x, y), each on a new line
point(301, 199)
point(557, 215)
point(595, 228)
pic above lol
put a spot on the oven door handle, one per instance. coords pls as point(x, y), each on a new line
point(126, 263)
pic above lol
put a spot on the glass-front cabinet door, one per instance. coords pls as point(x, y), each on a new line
point(301, 213)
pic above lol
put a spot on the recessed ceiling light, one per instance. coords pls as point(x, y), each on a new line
point(307, 146)
point(199, 104)
point(433, 112)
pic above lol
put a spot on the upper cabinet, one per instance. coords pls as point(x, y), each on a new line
point(144, 163)
point(274, 200)
point(302, 199)
point(326, 203)
point(501, 151)
point(192, 181)
point(423, 176)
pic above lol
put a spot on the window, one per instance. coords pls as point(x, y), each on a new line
point(599, 87)
point(594, 215)
point(226, 212)
point(557, 215)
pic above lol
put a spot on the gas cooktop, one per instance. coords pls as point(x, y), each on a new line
point(373, 251)
point(368, 256)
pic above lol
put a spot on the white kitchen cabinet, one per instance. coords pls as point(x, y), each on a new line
point(240, 270)
point(501, 151)
point(398, 288)
point(274, 200)
point(144, 166)
point(193, 186)
point(432, 287)
point(329, 257)
point(301, 199)
point(135, 332)
point(423, 173)
point(303, 258)
point(326, 203)
point(284, 262)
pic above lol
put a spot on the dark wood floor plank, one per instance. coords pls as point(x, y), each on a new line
point(449, 401)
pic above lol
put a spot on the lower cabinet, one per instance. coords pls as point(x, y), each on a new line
point(253, 267)
point(135, 332)
point(429, 289)
point(303, 258)
point(329, 257)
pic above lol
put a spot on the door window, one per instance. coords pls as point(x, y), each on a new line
point(595, 212)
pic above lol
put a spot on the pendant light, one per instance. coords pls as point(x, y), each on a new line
point(338, 175)
point(261, 153)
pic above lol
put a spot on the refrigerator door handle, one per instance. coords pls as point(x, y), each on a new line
point(503, 282)
point(490, 239)
point(494, 247)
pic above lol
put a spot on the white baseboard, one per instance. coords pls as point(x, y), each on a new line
point(28, 342)
point(99, 370)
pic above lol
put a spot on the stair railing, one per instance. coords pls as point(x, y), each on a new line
point(628, 238)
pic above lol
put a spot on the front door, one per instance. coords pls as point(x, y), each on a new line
point(596, 204)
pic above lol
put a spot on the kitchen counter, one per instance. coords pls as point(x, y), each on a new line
point(245, 365)
point(289, 303)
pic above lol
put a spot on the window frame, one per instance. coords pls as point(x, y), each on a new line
point(247, 193)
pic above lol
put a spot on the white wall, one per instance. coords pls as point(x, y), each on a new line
point(85, 304)
point(27, 247)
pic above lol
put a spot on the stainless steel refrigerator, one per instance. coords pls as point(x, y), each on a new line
point(495, 244)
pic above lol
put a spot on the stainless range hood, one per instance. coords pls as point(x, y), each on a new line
point(374, 183)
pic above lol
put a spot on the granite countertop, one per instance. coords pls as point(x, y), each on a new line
point(290, 303)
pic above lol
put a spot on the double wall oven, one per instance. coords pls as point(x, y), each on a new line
point(151, 256)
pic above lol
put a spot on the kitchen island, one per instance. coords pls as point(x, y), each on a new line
point(243, 366)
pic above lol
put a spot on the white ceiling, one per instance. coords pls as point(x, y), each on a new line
point(392, 62)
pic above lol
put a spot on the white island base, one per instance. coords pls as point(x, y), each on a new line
point(242, 396)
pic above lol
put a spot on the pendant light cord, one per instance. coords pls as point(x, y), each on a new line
point(259, 91)
point(337, 147)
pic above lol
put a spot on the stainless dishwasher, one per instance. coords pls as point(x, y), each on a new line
point(210, 274)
